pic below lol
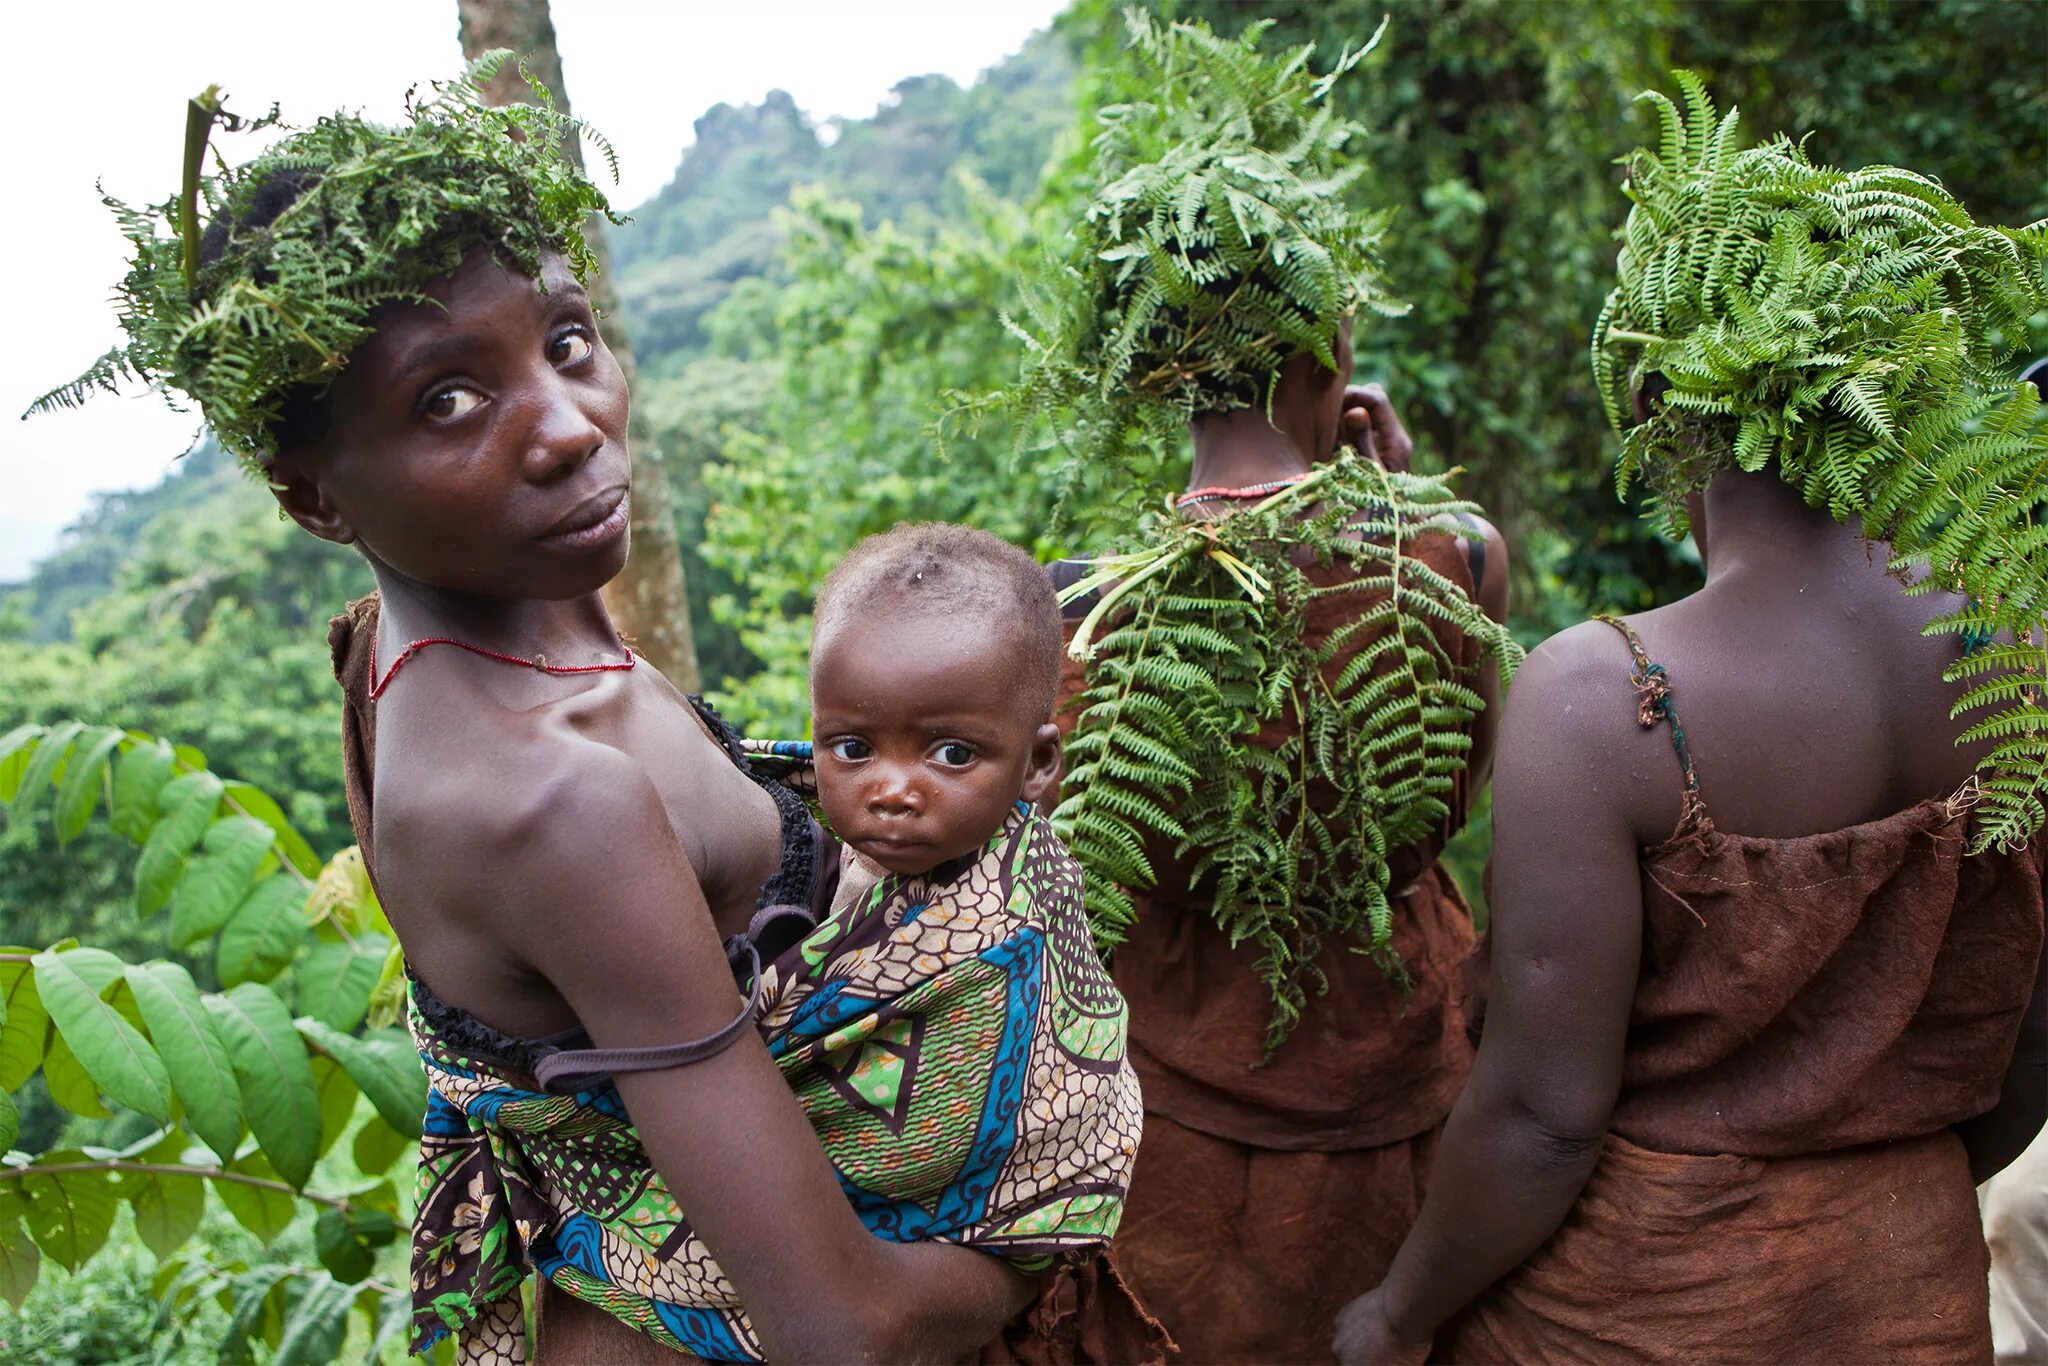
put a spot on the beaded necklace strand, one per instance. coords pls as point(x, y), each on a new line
point(1219, 493)
point(538, 662)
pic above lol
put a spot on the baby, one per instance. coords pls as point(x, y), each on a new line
point(952, 1034)
point(935, 660)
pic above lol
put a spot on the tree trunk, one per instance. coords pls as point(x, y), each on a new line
point(648, 600)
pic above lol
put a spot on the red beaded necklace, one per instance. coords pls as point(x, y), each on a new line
point(1219, 493)
point(538, 662)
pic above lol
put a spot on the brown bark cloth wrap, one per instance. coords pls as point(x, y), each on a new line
point(1780, 1183)
point(1081, 1314)
point(1266, 1197)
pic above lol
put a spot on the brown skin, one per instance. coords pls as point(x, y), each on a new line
point(1799, 657)
point(1314, 410)
point(918, 766)
point(537, 835)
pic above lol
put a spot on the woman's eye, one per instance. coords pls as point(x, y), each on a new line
point(455, 401)
point(953, 754)
point(571, 347)
point(850, 751)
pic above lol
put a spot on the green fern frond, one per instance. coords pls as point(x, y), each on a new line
point(1165, 759)
point(1856, 328)
point(1218, 244)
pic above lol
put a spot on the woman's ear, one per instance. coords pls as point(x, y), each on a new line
point(295, 481)
point(1042, 773)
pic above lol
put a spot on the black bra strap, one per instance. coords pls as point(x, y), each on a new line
point(1475, 553)
point(566, 1071)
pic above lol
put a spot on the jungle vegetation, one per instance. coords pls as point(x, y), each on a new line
point(804, 309)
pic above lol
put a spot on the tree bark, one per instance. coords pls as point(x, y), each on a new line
point(649, 600)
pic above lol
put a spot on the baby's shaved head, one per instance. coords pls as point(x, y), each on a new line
point(987, 584)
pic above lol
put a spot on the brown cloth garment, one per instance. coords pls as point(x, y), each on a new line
point(1080, 1316)
point(1780, 1183)
point(1267, 1197)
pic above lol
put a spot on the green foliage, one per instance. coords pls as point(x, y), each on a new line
point(1206, 642)
point(1851, 329)
point(382, 212)
point(875, 327)
point(1215, 245)
point(264, 1088)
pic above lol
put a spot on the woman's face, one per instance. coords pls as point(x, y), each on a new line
point(478, 447)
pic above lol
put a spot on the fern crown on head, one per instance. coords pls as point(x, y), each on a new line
point(383, 212)
point(1854, 330)
point(1216, 245)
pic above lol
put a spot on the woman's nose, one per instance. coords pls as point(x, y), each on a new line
point(563, 437)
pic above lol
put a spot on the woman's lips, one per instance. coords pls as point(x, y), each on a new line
point(597, 521)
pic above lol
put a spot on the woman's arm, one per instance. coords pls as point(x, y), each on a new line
point(585, 881)
point(1998, 1136)
point(1573, 773)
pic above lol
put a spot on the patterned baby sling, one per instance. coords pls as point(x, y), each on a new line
point(954, 1041)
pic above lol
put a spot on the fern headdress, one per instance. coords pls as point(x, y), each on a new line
point(1855, 328)
point(1216, 244)
point(380, 212)
point(1216, 248)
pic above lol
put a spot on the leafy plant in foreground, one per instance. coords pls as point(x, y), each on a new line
point(246, 1086)
point(1852, 329)
point(1204, 641)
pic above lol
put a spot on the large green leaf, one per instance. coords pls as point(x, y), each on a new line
point(264, 933)
point(189, 802)
point(10, 1122)
point(338, 1093)
point(336, 979)
point(385, 1063)
point(138, 777)
point(42, 767)
point(20, 1260)
point(217, 878)
point(14, 757)
point(274, 1074)
point(84, 778)
point(68, 1082)
point(202, 1074)
point(261, 1208)
point(69, 1213)
point(254, 801)
point(378, 1147)
point(116, 1056)
point(168, 1204)
point(26, 1025)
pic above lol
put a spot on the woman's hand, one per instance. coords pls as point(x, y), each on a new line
point(1371, 427)
point(1365, 1337)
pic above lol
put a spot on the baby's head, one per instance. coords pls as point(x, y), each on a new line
point(935, 662)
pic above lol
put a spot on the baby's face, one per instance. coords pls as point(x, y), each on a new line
point(924, 735)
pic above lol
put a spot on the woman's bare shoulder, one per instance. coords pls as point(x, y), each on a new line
point(514, 816)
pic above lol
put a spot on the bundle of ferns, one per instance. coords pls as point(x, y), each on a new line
point(1854, 329)
point(1199, 640)
point(379, 214)
point(1216, 244)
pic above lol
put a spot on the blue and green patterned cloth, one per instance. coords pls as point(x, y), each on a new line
point(956, 1044)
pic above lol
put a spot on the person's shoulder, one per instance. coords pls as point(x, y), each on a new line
point(548, 809)
point(1574, 728)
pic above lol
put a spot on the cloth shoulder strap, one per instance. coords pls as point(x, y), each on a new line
point(1652, 683)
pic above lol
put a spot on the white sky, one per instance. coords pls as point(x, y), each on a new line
point(104, 85)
